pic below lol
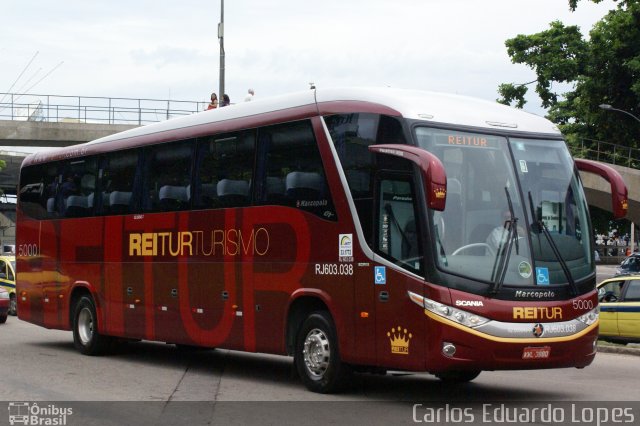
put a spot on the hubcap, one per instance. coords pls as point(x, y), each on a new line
point(85, 326)
point(316, 353)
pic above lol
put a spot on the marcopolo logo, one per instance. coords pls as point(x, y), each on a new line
point(30, 414)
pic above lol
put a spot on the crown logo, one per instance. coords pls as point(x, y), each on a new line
point(399, 340)
point(440, 192)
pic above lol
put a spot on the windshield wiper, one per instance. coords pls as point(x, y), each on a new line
point(541, 228)
point(501, 263)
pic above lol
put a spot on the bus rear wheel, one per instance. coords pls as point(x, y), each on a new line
point(317, 358)
point(458, 376)
point(86, 338)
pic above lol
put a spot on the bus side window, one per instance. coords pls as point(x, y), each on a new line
point(397, 228)
point(289, 170)
point(167, 177)
point(38, 190)
point(224, 170)
point(117, 178)
point(76, 192)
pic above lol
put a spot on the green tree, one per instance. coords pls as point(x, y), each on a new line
point(601, 69)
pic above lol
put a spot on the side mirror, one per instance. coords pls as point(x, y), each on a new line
point(619, 193)
point(433, 174)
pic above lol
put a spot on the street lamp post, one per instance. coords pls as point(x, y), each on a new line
point(221, 38)
point(608, 107)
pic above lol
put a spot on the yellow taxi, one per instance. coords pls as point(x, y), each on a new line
point(620, 309)
point(8, 280)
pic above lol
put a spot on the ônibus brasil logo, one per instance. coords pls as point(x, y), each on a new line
point(27, 413)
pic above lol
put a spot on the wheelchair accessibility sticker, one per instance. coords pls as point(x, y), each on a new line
point(542, 276)
point(380, 275)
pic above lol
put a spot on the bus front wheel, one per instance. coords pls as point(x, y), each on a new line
point(317, 357)
point(85, 329)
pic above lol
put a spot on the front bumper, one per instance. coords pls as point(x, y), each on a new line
point(479, 351)
point(459, 340)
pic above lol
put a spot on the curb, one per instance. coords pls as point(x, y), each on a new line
point(619, 350)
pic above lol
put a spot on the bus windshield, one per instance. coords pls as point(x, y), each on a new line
point(515, 213)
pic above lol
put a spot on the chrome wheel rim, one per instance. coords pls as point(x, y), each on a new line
point(85, 326)
point(316, 353)
point(13, 305)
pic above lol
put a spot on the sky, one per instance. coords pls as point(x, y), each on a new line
point(161, 49)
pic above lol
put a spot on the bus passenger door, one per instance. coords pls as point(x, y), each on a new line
point(399, 321)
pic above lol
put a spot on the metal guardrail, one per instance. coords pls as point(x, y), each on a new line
point(607, 153)
point(613, 254)
point(92, 109)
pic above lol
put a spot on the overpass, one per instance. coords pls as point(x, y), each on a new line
point(43, 134)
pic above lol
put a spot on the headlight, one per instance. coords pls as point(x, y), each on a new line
point(454, 314)
point(4, 295)
point(590, 317)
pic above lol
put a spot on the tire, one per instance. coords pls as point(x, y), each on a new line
point(13, 305)
point(86, 338)
point(3, 319)
point(317, 356)
point(458, 376)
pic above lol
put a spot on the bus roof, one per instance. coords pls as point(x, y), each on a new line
point(446, 108)
point(432, 107)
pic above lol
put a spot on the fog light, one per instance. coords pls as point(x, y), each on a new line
point(448, 349)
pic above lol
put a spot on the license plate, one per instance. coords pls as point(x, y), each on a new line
point(536, 352)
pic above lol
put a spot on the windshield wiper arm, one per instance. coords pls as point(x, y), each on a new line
point(514, 221)
point(501, 263)
point(541, 227)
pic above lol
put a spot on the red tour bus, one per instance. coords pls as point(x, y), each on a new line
point(357, 230)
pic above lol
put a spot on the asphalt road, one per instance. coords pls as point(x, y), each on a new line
point(167, 386)
point(42, 365)
point(605, 271)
